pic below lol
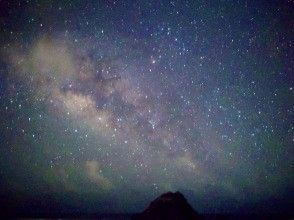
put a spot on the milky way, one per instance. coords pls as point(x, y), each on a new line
point(105, 106)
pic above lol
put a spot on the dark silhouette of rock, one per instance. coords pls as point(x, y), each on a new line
point(169, 206)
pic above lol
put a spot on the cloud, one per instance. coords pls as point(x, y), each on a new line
point(95, 175)
point(44, 62)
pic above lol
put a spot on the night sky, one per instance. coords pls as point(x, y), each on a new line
point(105, 105)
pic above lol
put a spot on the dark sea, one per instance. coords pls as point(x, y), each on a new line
point(205, 217)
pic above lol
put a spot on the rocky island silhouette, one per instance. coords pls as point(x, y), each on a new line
point(173, 206)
